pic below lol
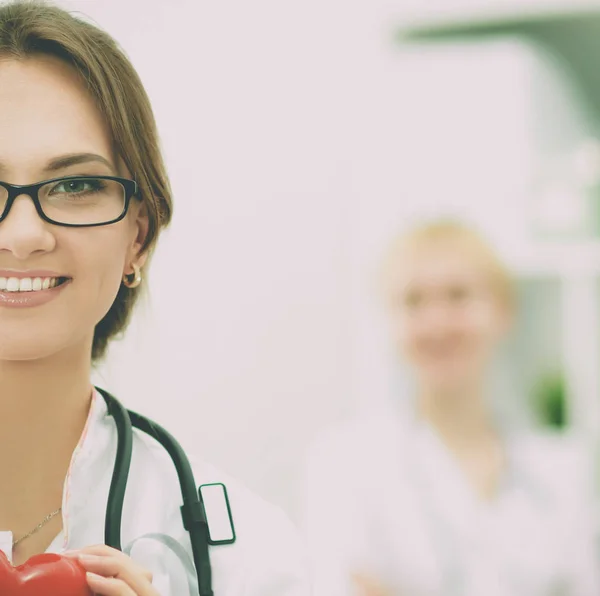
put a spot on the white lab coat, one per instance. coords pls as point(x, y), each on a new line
point(266, 560)
point(386, 499)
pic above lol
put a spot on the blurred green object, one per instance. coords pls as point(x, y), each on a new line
point(550, 401)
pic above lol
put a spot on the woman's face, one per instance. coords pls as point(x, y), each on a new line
point(46, 114)
point(446, 317)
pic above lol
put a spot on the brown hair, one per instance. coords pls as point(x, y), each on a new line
point(32, 27)
point(462, 236)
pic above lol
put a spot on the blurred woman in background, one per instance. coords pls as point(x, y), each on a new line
point(438, 499)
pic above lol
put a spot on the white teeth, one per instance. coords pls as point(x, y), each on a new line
point(27, 284)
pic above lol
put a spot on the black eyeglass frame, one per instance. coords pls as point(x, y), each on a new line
point(32, 190)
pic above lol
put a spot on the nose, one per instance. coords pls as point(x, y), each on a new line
point(23, 232)
point(437, 318)
point(434, 310)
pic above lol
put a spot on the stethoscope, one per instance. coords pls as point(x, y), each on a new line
point(192, 510)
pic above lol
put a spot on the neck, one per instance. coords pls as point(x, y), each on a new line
point(459, 415)
point(462, 421)
point(43, 409)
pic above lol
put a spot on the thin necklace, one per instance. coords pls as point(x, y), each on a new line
point(38, 527)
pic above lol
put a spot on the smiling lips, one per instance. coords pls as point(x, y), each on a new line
point(31, 288)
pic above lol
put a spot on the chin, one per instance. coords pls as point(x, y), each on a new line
point(23, 352)
point(444, 378)
point(36, 347)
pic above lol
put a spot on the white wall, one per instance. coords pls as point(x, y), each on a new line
point(298, 139)
point(244, 352)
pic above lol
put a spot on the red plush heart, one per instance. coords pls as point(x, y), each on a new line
point(48, 574)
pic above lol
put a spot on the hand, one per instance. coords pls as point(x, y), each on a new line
point(112, 573)
point(367, 586)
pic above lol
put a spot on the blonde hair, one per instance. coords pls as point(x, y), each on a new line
point(460, 235)
point(30, 28)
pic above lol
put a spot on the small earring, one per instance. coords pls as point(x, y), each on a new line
point(137, 277)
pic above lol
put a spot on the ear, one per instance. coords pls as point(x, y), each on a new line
point(139, 233)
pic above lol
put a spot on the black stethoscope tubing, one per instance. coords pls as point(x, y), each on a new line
point(192, 510)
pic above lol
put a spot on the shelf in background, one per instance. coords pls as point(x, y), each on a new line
point(568, 29)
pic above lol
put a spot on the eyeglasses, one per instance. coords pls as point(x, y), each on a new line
point(74, 201)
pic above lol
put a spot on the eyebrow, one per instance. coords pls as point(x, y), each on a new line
point(72, 159)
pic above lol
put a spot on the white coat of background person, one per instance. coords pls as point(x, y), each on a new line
point(438, 498)
point(77, 129)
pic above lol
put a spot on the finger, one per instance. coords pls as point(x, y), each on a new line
point(106, 552)
point(109, 586)
point(140, 580)
point(97, 549)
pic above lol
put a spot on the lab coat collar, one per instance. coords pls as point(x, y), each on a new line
point(87, 466)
